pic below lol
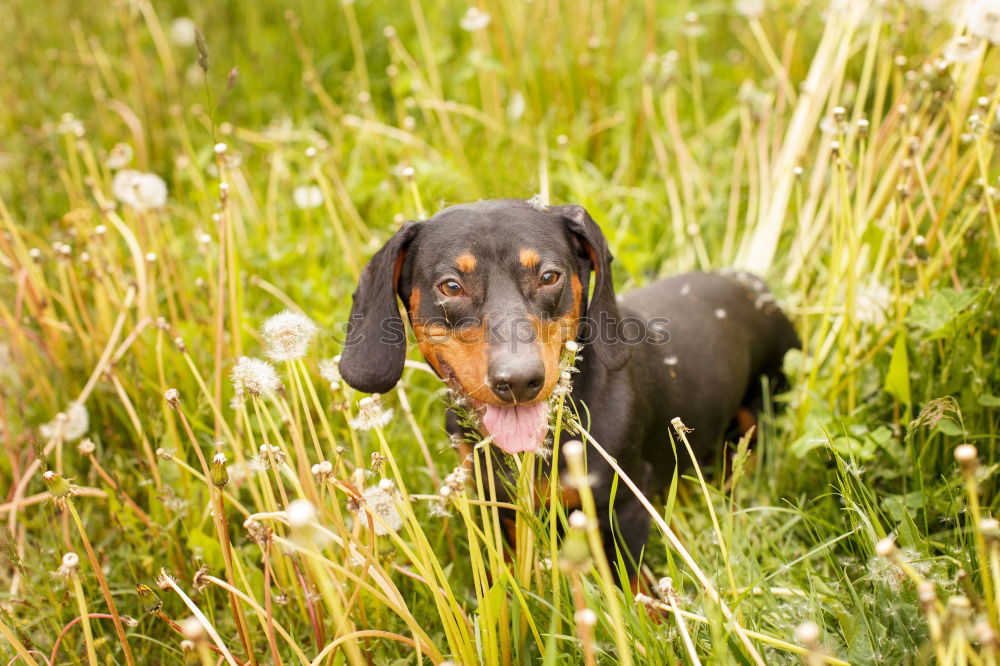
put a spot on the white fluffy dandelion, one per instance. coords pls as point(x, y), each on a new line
point(255, 377)
point(138, 190)
point(961, 49)
point(329, 370)
point(307, 196)
point(370, 414)
point(288, 335)
point(119, 156)
point(183, 32)
point(69, 566)
point(69, 425)
point(982, 19)
point(749, 8)
point(515, 106)
point(300, 513)
point(474, 19)
point(872, 303)
point(381, 502)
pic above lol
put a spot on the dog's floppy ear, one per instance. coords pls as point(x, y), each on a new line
point(602, 311)
point(373, 357)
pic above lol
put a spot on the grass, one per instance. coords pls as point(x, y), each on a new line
point(834, 151)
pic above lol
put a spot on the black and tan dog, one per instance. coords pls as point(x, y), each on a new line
point(494, 289)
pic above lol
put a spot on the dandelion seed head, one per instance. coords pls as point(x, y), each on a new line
point(749, 8)
point(307, 196)
point(70, 565)
point(578, 520)
point(255, 377)
point(183, 32)
point(200, 580)
point(322, 470)
point(516, 106)
point(382, 503)
point(287, 335)
point(300, 513)
point(329, 370)
point(370, 414)
point(961, 49)
point(871, 304)
point(982, 19)
point(439, 509)
point(69, 425)
point(474, 19)
point(139, 191)
point(119, 157)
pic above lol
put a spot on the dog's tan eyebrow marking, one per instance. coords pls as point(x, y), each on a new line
point(529, 258)
point(466, 262)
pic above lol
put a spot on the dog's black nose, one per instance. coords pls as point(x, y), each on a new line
point(517, 379)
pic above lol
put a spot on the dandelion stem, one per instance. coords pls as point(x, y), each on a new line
point(99, 573)
point(81, 605)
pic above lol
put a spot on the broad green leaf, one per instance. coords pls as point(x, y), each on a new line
point(989, 400)
point(897, 381)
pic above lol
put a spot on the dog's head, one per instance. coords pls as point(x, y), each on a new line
point(493, 290)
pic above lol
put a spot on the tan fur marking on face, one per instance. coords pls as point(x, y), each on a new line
point(529, 258)
point(415, 304)
point(464, 351)
point(577, 288)
point(466, 262)
point(568, 497)
point(553, 335)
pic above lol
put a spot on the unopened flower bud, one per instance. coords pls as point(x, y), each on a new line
point(58, 487)
point(218, 472)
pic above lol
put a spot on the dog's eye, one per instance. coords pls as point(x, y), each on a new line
point(451, 288)
point(549, 278)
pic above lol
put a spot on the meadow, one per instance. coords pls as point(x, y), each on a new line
point(189, 191)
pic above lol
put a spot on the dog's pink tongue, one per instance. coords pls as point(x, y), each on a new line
point(517, 428)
